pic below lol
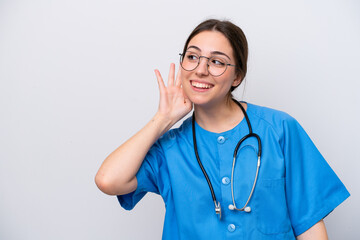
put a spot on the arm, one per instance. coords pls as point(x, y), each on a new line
point(316, 232)
point(117, 174)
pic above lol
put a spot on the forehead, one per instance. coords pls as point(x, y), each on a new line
point(209, 41)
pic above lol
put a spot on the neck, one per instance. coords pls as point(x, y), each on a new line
point(220, 117)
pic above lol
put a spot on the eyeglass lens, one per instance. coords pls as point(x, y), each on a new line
point(216, 65)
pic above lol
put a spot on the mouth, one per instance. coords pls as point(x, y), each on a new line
point(200, 85)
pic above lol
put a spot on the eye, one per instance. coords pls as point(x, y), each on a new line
point(219, 62)
point(190, 56)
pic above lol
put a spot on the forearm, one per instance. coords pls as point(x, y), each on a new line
point(316, 232)
point(117, 173)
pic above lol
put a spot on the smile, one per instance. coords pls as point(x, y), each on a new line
point(201, 85)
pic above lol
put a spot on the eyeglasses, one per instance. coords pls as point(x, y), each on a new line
point(215, 65)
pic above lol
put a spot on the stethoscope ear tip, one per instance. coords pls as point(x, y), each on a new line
point(246, 209)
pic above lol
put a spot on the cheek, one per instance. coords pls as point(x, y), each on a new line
point(229, 78)
point(226, 81)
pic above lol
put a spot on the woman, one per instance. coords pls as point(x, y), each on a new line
point(274, 188)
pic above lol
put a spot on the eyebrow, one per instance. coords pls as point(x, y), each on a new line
point(213, 52)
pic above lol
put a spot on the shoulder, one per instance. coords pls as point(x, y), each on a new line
point(181, 133)
point(272, 116)
point(275, 124)
point(265, 118)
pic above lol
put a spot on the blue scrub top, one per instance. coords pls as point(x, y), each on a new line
point(296, 187)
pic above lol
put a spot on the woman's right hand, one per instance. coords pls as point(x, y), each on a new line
point(174, 104)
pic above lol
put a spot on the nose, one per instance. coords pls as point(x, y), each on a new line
point(202, 68)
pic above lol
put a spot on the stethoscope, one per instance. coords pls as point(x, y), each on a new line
point(245, 208)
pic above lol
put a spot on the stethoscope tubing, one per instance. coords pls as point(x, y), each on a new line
point(199, 162)
point(250, 134)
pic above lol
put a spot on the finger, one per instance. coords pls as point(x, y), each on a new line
point(159, 80)
point(178, 78)
point(171, 75)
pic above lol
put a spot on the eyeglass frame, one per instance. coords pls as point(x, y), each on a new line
point(208, 58)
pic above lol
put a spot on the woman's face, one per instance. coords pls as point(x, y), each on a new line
point(199, 85)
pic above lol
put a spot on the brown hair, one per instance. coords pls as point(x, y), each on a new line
point(236, 38)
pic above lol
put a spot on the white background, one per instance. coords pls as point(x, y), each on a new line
point(77, 80)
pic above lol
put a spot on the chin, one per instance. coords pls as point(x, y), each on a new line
point(200, 100)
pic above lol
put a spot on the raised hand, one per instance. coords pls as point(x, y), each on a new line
point(173, 104)
point(117, 174)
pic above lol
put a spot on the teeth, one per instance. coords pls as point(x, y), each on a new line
point(200, 85)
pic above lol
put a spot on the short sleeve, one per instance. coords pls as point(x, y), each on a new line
point(148, 178)
point(313, 189)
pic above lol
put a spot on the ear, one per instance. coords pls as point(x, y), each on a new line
point(237, 80)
